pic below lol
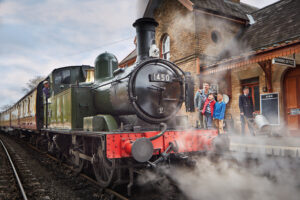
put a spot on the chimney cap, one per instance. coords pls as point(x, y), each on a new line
point(145, 20)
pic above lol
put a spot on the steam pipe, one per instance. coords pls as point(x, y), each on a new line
point(163, 130)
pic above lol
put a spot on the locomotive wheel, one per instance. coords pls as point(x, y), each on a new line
point(78, 163)
point(104, 168)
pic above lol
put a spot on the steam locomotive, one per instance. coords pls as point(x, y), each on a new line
point(125, 119)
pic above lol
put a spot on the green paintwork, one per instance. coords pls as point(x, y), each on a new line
point(82, 105)
point(68, 108)
point(72, 104)
point(105, 65)
point(103, 97)
point(100, 123)
point(60, 110)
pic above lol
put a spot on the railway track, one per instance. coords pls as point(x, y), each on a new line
point(109, 192)
point(85, 186)
point(10, 183)
point(16, 178)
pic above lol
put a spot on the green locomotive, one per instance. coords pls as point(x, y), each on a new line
point(123, 120)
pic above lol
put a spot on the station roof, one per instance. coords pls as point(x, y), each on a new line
point(225, 7)
point(275, 26)
point(129, 57)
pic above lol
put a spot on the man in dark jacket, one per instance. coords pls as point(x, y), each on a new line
point(246, 110)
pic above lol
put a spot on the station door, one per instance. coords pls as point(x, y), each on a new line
point(292, 100)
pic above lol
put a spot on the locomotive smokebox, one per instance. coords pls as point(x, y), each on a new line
point(152, 88)
point(145, 33)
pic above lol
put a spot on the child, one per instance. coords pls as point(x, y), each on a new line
point(219, 113)
point(208, 110)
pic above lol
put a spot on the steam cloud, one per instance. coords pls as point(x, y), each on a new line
point(268, 179)
point(261, 177)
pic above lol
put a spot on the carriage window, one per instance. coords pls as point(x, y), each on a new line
point(29, 106)
point(166, 47)
point(66, 77)
point(23, 109)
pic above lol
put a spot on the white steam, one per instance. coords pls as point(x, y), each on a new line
point(268, 180)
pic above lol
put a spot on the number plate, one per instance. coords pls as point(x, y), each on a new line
point(160, 77)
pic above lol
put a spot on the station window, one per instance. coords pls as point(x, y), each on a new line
point(166, 47)
point(215, 36)
point(253, 84)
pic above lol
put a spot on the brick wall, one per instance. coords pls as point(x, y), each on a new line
point(178, 22)
point(206, 25)
point(251, 71)
point(191, 38)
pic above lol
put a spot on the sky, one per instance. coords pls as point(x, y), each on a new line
point(37, 36)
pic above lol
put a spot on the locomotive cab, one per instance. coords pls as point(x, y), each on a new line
point(65, 106)
point(63, 78)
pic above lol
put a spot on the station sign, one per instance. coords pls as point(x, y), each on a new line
point(290, 62)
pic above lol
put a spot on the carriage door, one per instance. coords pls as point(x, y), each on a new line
point(292, 100)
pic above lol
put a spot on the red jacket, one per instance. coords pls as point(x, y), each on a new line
point(212, 105)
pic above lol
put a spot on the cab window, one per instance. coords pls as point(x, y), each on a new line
point(66, 77)
point(57, 79)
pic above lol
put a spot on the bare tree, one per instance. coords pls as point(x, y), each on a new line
point(5, 107)
point(32, 83)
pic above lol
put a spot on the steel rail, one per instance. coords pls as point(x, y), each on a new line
point(110, 191)
point(15, 172)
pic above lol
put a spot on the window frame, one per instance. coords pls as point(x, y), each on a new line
point(165, 54)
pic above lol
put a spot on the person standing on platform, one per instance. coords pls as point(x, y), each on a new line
point(208, 110)
point(246, 110)
point(219, 113)
point(200, 97)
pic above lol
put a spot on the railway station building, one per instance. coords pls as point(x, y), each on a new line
point(230, 44)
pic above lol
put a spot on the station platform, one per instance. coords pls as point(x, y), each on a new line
point(267, 145)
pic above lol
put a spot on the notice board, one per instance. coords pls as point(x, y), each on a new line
point(269, 107)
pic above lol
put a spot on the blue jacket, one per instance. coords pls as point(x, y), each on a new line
point(219, 110)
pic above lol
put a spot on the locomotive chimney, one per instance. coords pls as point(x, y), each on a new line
point(145, 33)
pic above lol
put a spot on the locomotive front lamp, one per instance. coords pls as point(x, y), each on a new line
point(141, 149)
